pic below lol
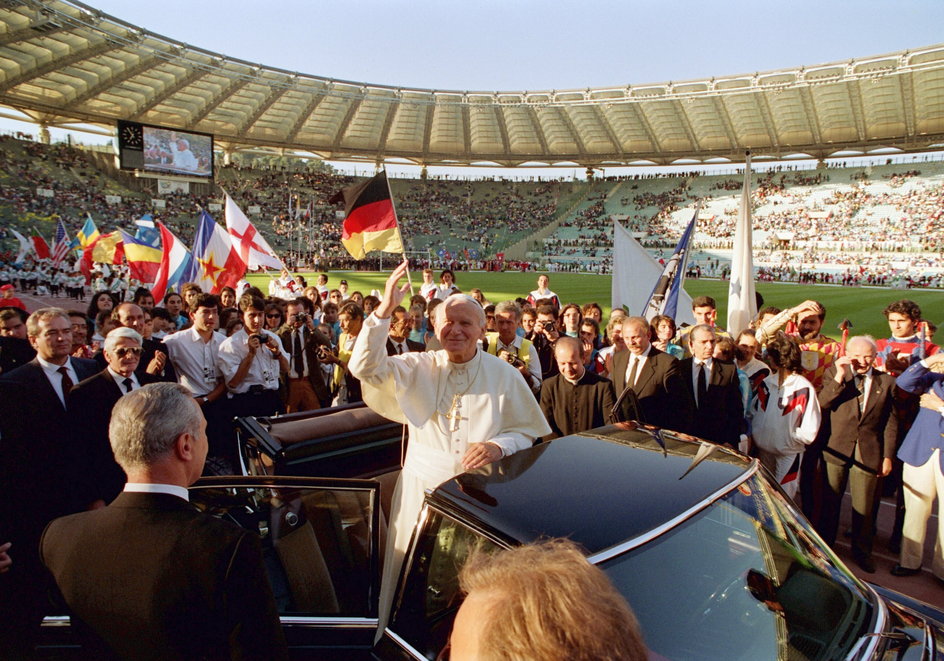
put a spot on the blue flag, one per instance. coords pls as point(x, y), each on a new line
point(664, 296)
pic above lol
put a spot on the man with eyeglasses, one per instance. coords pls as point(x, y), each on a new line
point(91, 402)
point(39, 468)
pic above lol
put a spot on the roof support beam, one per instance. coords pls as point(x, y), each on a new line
point(235, 84)
point(578, 139)
point(387, 125)
point(764, 107)
point(34, 30)
point(725, 116)
point(538, 129)
point(610, 132)
point(57, 64)
point(679, 108)
point(192, 76)
point(316, 99)
point(906, 85)
point(502, 126)
point(858, 113)
point(644, 121)
point(342, 127)
point(809, 108)
point(112, 81)
point(275, 94)
point(428, 128)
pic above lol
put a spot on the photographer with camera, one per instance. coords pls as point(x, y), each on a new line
point(305, 386)
point(545, 334)
point(251, 360)
point(510, 347)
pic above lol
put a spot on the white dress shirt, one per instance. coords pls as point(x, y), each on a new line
point(120, 380)
point(640, 361)
point(264, 369)
point(194, 360)
point(169, 489)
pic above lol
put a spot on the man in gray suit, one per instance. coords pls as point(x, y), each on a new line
point(177, 583)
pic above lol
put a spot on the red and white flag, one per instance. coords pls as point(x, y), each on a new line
point(253, 249)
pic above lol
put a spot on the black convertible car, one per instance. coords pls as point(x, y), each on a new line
point(715, 560)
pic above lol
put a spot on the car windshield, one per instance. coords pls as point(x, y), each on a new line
point(743, 579)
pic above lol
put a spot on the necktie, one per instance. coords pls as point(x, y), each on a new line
point(399, 349)
point(702, 385)
point(631, 381)
point(66, 381)
point(297, 357)
point(860, 386)
point(128, 383)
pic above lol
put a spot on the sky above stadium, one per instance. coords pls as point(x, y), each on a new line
point(534, 45)
point(530, 44)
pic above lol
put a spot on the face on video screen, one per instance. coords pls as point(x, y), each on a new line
point(178, 152)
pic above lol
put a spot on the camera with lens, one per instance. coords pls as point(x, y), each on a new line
point(259, 336)
point(510, 358)
point(302, 317)
point(322, 352)
point(549, 325)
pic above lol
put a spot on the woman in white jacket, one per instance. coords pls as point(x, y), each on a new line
point(786, 414)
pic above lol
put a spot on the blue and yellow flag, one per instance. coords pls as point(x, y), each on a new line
point(88, 234)
point(143, 259)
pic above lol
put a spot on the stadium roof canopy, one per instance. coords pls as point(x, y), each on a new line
point(65, 62)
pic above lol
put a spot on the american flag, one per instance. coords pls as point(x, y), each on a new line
point(61, 244)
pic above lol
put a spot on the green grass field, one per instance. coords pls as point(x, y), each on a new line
point(862, 306)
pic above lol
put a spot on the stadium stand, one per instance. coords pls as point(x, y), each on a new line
point(876, 224)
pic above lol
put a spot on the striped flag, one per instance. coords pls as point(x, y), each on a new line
point(219, 264)
point(143, 259)
point(370, 221)
point(61, 244)
point(88, 234)
point(176, 264)
point(40, 247)
point(665, 294)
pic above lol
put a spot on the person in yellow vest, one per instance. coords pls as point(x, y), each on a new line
point(508, 345)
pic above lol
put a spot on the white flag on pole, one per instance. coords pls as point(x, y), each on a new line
point(635, 273)
point(254, 250)
point(742, 304)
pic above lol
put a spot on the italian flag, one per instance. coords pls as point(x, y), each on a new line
point(370, 221)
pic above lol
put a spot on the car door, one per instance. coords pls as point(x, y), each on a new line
point(321, 547)
point(320, 540)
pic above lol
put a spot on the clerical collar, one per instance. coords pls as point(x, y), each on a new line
point(572, 382)
point(462, 367)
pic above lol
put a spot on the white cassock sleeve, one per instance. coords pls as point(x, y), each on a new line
point(408, 388)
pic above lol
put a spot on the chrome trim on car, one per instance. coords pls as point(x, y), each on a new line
point(629, 545)
point(57, 621)
point(324, 621)
point(409, 649)
point(868, 644)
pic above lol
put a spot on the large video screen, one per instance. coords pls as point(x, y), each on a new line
point(164, 150)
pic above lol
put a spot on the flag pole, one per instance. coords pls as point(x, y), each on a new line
point(393, 205)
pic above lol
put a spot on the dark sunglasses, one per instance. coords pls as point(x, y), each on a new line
point(121, 352)
point(273, 316)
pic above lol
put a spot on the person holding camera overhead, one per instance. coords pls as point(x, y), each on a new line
point(306, 389)
point(510, 347)
point(251, 360)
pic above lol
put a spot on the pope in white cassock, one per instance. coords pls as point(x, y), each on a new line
point(464, 408)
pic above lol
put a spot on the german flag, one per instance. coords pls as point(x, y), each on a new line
point(370, 221)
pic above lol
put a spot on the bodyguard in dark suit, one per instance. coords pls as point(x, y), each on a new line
point(91, 402)
point(863, 432)
point(398, 341)
point(154, 359)
point(177, 583)
point(41, 468)
point(713, 385)
point(305, 387)
point(656, 380)
point(575, 400)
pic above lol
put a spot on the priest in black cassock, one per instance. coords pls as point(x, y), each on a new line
point(575, 400)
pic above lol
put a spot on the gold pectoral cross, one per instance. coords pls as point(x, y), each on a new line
point(453, 415)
